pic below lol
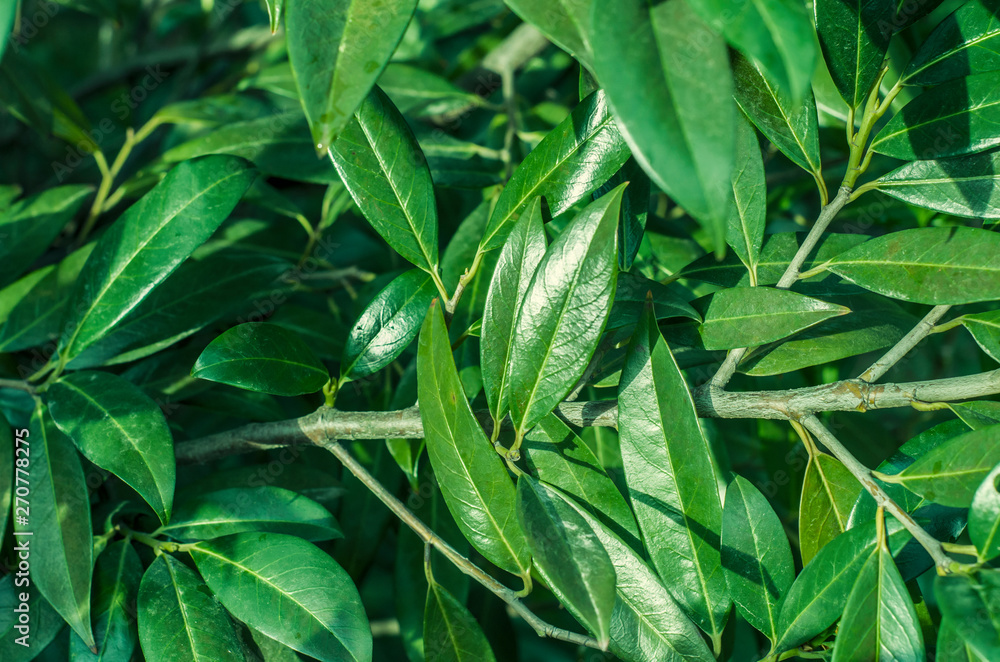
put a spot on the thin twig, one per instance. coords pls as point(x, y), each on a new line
point(18, 384)
point(908, 342)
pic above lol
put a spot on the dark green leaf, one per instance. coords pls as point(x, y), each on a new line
point(8, 15)
point(966, 42)
point(630, 301)
point(829, 491)
point(958, 117)
point(671, 478)
point(289, 590)
point(573, 159)
point(382, 166)
point(855, 36)
point(337, 49)
point(451, 633)
point(969, 605)
point(45, 623)
point(926, 265)
point(179, 618)
point(148, 242)
point(6, 472)
point(755, 555)
point(963, 186)
point(119, 428)
point(568, 555)
point(475, 484)
point(262, 357)
point(116, 587)
point(655, 64)
point(985, 328)
point(745, 230)
point(635, 209)
point(420, 92)
point(387, 325)
point(984, 517)
point(563, 312)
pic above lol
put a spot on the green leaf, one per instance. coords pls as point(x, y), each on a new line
point(573, 159)
point(116, 586)
point(517, 263)
point(745, 230)
point(950, 473)
point(977, 414)
point(45, 622)
point(963, 186)
point(387, 325)
point(952, 648)
point(880, 622)
point(985, 328)
point(337, 49)
point(744, 316)
point(261, 357)
point(984, 517)
point(382, 166)
point(635, 210)
point(119, 428)
point(958, 117)
point(451, 633)
point(966, 42)
point(854, 35)
point(29, 225)
point(565, 23)
point(563, 312)
point(274, 8)
point(829, 491)
point(777, 35)
point(419, 92)
point(193, 297)
point(791, 127)
point(670, 474)
point(179, 618)
point(820, 592)
point(926, 265)
point(58, 512)
point(756, 556)
point(969, 605)
point(473, 480)
point(680, 129)
point(568, 555)
point(244, 509)
point(8, 14)
point(631, 291)
point(7, 453)
point(290, 590)
point(148, 242)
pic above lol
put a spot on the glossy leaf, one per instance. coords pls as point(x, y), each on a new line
point(148, 242)
point(950, 473)
point(563, 312)
point(245, 509)
point(968, 605)
point(473, 480)
point(670, 474)
point(829, 491)
point(382, 166)
point(573, 159)
point(963, 186)
point(966, 42)
point(984, 517)
point(937, 265)
point(119, 428)
point(180, 619)
point(387, 325)
point(635, 210)
point(262, 357)
point(565, 23)
point(958, 117)
point(62, 550)
point(745, 230)
point(337, 49)
point(756, 556)
point(290, 590)
point(977, 414)
point(568, 555)
point(854, 35)
point(985, 328)
point(451, 633)
point(670, 93)
point(516, 265)
point(274, 9)
point(116, 588)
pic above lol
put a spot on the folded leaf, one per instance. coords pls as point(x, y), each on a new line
point(985, 328)
point(745, 230)
point(966, 42)
point(829, 491)
point(963, 186)
point(451, 631)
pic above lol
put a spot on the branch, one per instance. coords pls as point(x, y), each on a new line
point(933, 546)
point(906, 343)
point(848, 395)
point(17, 384)
point(427, 535)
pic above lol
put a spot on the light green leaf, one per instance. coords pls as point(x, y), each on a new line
point(451, 633)
point(670, 474)
point(515, 267)
point(668, 82)
point(290, 590)
point(936, 265)
point(977, 414)
point(966, 42)
point(745, 230)
point(573, 159)
point(387, 325)
point(8, 14)
point(563, 312)
point(829, 491)
point(116, 587)
point(148, 242)
point(262, 357)
point(984, 517)
point(952, 648)
point(274, 8)
point(564, 22)
point(179, 618)
point(337, 49)
point(968, 605)
point(119, 428)
point(985, 328)
point(963, 186)
point(473, 480)
point(756, 556)
point(382, 166)
point(854, 35)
